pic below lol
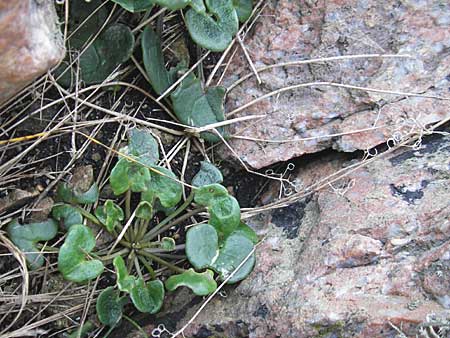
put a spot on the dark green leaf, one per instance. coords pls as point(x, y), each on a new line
point(243, 9)
point(213, 30)
point(142, 146)
point(72, 261)
point(148, 297)
point(67, 215)
point(129, 175)
point(196, 108)
point(208, 174)
point(110, 214)
point(207, 193)
point(75, 196)
point(225, 214)
point(173, 5)
point(109, 306)
point(164, 187)
point(26, 236)
point(144, 210)
point(202, 245)
point(234, 251)
point(125, 282)
point(135, 5)
point(201, 284)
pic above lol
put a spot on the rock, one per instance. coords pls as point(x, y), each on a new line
point(30, 43)
point(297, 30)
point(41, 211)
point(82, 178)
point(16, 199)
point(349, 262)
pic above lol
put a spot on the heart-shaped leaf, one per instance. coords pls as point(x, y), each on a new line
point(207, 193)
point(75, 196)
point(144, 210)
point(109, 306)
point(225, 214)
point(26, 236)
point(243, 9)
point(112, 47)
point(67, 215)
point(129, 175)
point(148, 297)
point(135, 5)
point(125, 282)
point(164, 187)
point(202, 245)
point(110, 214)
point(201, 284)
point(72, 261)
point(142, 146)
point(215, 29)
point(208, 174)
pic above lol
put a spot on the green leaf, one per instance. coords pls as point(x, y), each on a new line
point(244, 230)
point(144, 210)
point(148, 297)
point(173, 5)
point(232, 254)
point(213, 30)
point(26, 236)
point(110, 214)
point(202, 245)
point(164, 187)
point(109, 306)
point(129, 175)
point(243, 9)
point(142, 146)
point(75, 196)
point(208, 174)
point(82, 331)
point(154, 61)
point(67, 215)
point(112, 47)
point(196, 108)
point(207, 193)
point(125, 282)
point(135, 5)
point(72, 261)
point(201, 284)
point(225, 214)
point(167, 243)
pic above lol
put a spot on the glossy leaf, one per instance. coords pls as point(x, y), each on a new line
point(75, 196)
point(232, 254)
point(144, 210)
point(215, 29)
point(129, 175)
point(26, 236)
point(135, 5)
point(243, 9)
point(207, 193)
point(148, 297)
point(109, 306)
point(72, 258)
point(110, 214)
point(112, 47)
point(66, 215)
point(225, 214)
point(197, 108)
point(208, 174)
point(201, 284)
point(125, 282)
point(142, 146)
point(202, 245)
point(164, 187)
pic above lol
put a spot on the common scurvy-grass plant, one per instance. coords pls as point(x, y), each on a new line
point(219, 250)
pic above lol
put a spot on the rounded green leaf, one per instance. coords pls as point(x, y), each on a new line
point(135, 5)
point(110, 214)
point(125, 282)
point(206, 194)
point(202, 245)
point(208, 174)
point(243, 9)
point(67, 215)
point(72, 256)
point(213, 30)
point(167, 243)
point(148, 297)
point(129, 175)
point(142, 146)
point(164, 187)
point(234, 251)
point(109, 306)
point(75, 196)
point(144, 210)
point(244, 230)
point(26, 236)
point(201, 284)
point(225, 214)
